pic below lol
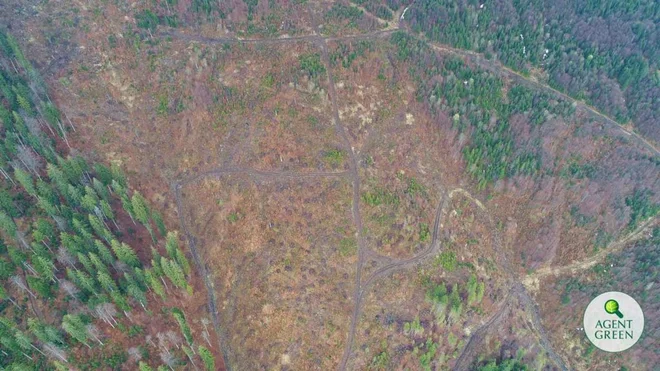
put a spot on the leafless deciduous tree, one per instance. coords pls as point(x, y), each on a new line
point(150, 340)
point(134, 354)
point(174, 338)
point(107, 313)
point(18, 282)
point(65, 258)
point(94, 333)
point(162, 342)
point(29, 159)
point(54, 352)
point(69, 288)
point(61, 222)
point(168, 359)
point(205, 333)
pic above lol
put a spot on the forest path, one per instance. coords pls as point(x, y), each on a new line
point(532, 281)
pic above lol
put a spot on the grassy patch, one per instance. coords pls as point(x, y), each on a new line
point(312, 65)
point(348, 246)
point(447, 260)
point(334, 157)
point(424, 232)
point(380, 196)
point(233, 217)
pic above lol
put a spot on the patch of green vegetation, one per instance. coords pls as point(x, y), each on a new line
point(147, 19)
point(348, 246)
point(380, 196)
point(313, 121)
point(574, 169)
point(348, 53)
point(568, 285)
point(641, 207)
point(504, 365)
point(426, 358)
point(414, 187)
point(163, 104)
point(536, 104)
point(135, 330)
point(334, 157)
point(424, 232)
point(344, 12)
point(312, 65)
point(413, 328)
point(381, 361)
point(112, 41)
point(447, 260)
point(383, 219)
point(581, 220)
point(233, 217)
point(475, 290)
point(268, 80)
point(376, 8)
point(437, 295)
point(473, 97)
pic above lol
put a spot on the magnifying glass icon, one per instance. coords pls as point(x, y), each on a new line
point(612, 307)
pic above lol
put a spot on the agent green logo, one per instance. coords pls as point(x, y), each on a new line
point(613, 321)
point(612, 307)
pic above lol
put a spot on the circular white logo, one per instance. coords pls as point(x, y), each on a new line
point(613, 321)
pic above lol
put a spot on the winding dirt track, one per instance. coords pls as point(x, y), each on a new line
point(516, 285)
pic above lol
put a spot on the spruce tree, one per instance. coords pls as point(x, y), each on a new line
point(154, 283)
point(106, 209)
point(75, 327)
point(98, 264)
point(136, 293)
point(100, 189)
point(171, 244)
point(140, 209)
point(99, 228)
point(104, 253)
point(207, 358)
point(103, 173)
point(160, 224)
point(106, 282)
point(174, 272)
point(124, 253)
point(183, 324)
point(7, 224)
point(25, 180)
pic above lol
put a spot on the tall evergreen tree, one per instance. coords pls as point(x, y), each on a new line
point(75, 327)
point(207, 358)
point(124, 253)
point(26, 181)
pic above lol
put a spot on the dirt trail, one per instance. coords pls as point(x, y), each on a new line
point(202, 271)
point(464, 361)
point(357, 218)
point(516, 288)
point(532, 280)
point(429, 252)
point(261, 174)
point(280, 40)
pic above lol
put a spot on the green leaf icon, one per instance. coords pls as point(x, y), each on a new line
point(612, 307)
